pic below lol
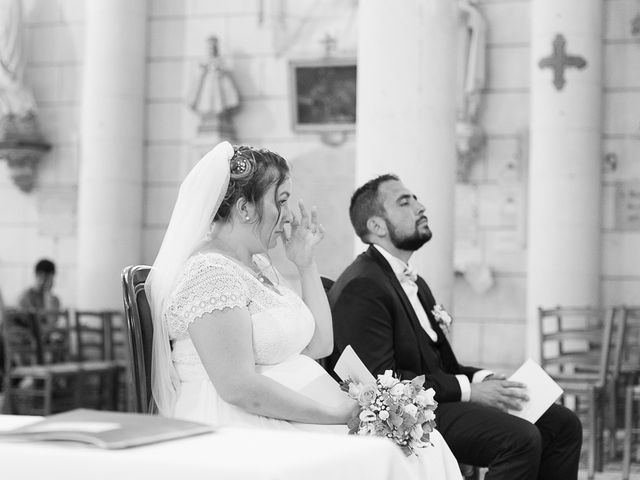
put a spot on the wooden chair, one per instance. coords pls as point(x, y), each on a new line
point(118, 352)
point(327, 283)
point(627, 351)
point(139, 328)
point(575, 349)
point(94, 338)
point(627, 361)
point(38, 378)
point(631, 427)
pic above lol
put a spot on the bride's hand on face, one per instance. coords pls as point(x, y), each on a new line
point(305, 233)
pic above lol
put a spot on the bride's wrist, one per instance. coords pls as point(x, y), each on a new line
point(306, 268)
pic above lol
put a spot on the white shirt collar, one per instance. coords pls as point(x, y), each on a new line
point(397, 265)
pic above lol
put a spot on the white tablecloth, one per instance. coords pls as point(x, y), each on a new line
point(230, 453)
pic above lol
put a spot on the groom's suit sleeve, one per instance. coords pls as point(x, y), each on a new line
point(363, 317)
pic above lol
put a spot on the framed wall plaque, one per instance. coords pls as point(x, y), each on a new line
point(323, 94)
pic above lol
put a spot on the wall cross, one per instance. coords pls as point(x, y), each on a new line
point(560, 60)
point(330, 44)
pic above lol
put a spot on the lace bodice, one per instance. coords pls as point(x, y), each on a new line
point(282, 325)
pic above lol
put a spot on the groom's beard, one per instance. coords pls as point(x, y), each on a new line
point(409, 243)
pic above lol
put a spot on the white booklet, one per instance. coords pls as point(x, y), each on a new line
point(541, 389)
point(349, 366)
point(105, 429)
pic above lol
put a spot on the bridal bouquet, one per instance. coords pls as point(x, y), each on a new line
point(400, 410)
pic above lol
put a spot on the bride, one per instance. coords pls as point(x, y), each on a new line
point(232, 345)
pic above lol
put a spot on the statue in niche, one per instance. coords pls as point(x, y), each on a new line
point(470, 137)
point(21, 142)
point(215, 97)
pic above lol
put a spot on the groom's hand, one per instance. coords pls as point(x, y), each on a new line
point(502, 394)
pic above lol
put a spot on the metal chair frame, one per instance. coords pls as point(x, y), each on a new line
point(139, 330)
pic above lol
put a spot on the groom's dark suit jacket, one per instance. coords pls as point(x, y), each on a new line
point(372, 313)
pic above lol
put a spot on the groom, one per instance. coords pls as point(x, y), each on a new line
point(385, 312)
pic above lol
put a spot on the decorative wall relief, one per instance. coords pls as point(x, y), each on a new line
point(470, 143)
point(470, 136)
point(627, 206)
point(215, 96)
point(21, 141)
point(610, 162)
point(560, 60)
point(635, 25)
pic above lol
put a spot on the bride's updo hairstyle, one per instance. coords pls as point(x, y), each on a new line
point(253, 171)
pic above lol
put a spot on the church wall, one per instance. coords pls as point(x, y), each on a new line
point(621, 142)
point(491, 217)
point(42, 223)
point(256, 45)
point(490, 210)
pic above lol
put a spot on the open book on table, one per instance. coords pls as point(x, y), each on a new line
point(111, 430)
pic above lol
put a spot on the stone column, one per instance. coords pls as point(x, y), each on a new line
point(112, 149)
point(406, 115)
point(564, 162)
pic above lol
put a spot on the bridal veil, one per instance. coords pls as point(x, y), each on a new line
point(199, 198)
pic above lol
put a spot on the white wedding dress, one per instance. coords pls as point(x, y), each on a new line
point(282, 327)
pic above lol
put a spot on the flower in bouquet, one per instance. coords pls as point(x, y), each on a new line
point(443, 318)
point(400, 410)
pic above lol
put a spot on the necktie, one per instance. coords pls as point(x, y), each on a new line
point(408, 279)
point(409, 274)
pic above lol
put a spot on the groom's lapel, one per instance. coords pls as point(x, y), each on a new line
point(428, 302)
point(401, 295)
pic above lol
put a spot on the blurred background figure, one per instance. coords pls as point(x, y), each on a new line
point(40, 296)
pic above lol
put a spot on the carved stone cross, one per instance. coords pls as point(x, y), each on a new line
point(330, 44)
point(560, 60)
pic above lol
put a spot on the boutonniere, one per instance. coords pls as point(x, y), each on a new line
point(443, 318)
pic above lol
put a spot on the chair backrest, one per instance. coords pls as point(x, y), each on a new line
point(55, 335)
point(576, 343)
point(19, 338)
point(93, 332)
point(118, 348)
point(627, 350)
point(37, 336)
point(139, 327)
point(327, 283)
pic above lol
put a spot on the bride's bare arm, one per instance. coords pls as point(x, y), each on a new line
point(313, 294)
point(306, 233)
point(223, 340)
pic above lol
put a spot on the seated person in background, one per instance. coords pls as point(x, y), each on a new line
point(40, 295)
point(385, 311)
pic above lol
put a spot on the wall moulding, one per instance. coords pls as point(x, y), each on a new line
point(22, 146)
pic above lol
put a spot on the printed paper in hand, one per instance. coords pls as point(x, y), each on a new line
point(349, 366)
point(541, 389)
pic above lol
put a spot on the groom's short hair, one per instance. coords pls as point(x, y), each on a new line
point(366, 203)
